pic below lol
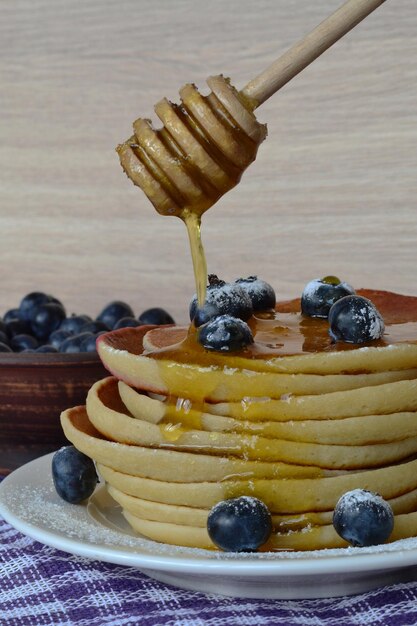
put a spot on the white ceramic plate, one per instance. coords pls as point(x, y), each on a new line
point(28, 501)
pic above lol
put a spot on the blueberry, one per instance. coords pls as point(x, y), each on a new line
point(260, 292)
point(114, 311)
point(320, 294)
point(74, 323)
point(156, 316)
point(355, 319)
point(57, 337)
point(205, 313)
point(17, 327)
point(55, 301)
point(4, 347)
point(73, 344)
point(74, 475)
point(46, 347)
point(95, 326)
point(221, 299)
point(30, 302)
point(363, 518)
point(11, 314)
point(127, 322)
point(89, 343)
point(45, 319)
point(225, 334)
point(240, 524)
point(23, 342)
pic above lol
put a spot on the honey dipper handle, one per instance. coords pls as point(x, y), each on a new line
point(309, 48)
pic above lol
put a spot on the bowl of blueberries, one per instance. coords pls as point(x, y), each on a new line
point(48, 362)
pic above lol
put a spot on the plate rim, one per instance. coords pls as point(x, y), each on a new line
point(357, 560)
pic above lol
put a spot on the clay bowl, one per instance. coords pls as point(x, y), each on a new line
point(34, 389)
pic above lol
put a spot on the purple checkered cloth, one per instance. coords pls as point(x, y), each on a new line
point(43, 586)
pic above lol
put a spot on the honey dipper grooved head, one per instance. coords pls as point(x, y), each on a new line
point(201, 152)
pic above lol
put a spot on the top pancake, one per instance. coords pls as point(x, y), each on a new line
point(292, 354)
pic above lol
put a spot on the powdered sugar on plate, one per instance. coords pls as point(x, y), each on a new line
point(97, 530)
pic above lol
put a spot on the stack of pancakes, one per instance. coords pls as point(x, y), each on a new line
point(293, 420)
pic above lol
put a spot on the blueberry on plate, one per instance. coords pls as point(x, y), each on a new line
point(221, 299)
point(260, 292)
point(113, 312)
point(355, 319)
point(74, 474)
point(157, 316)
point(363, 518)
point(225, 334)
point(240, 524)
point(46, 318)
point(320, 294)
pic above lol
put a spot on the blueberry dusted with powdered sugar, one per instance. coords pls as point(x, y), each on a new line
point(320, 294)
point(240, 524)
point(225, 334)
point(260, 292)
point(221, 299)
point(363, 518)
point(355, 319)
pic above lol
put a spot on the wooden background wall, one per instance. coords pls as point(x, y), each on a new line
point(333, 190)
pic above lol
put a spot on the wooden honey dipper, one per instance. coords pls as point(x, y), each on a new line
point(207, 142)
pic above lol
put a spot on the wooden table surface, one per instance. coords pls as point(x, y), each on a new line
point(333, 190)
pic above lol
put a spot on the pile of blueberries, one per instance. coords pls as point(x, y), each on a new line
point(41, 324)
point(352, 318)
point(221, 320)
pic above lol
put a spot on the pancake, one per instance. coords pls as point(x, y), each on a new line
point(195, 516)
point(169, 465)
point(286, 343)
point(294, 420)
point(312, 538)
point(356, 430)
point(176, 472)
point(106, 413)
